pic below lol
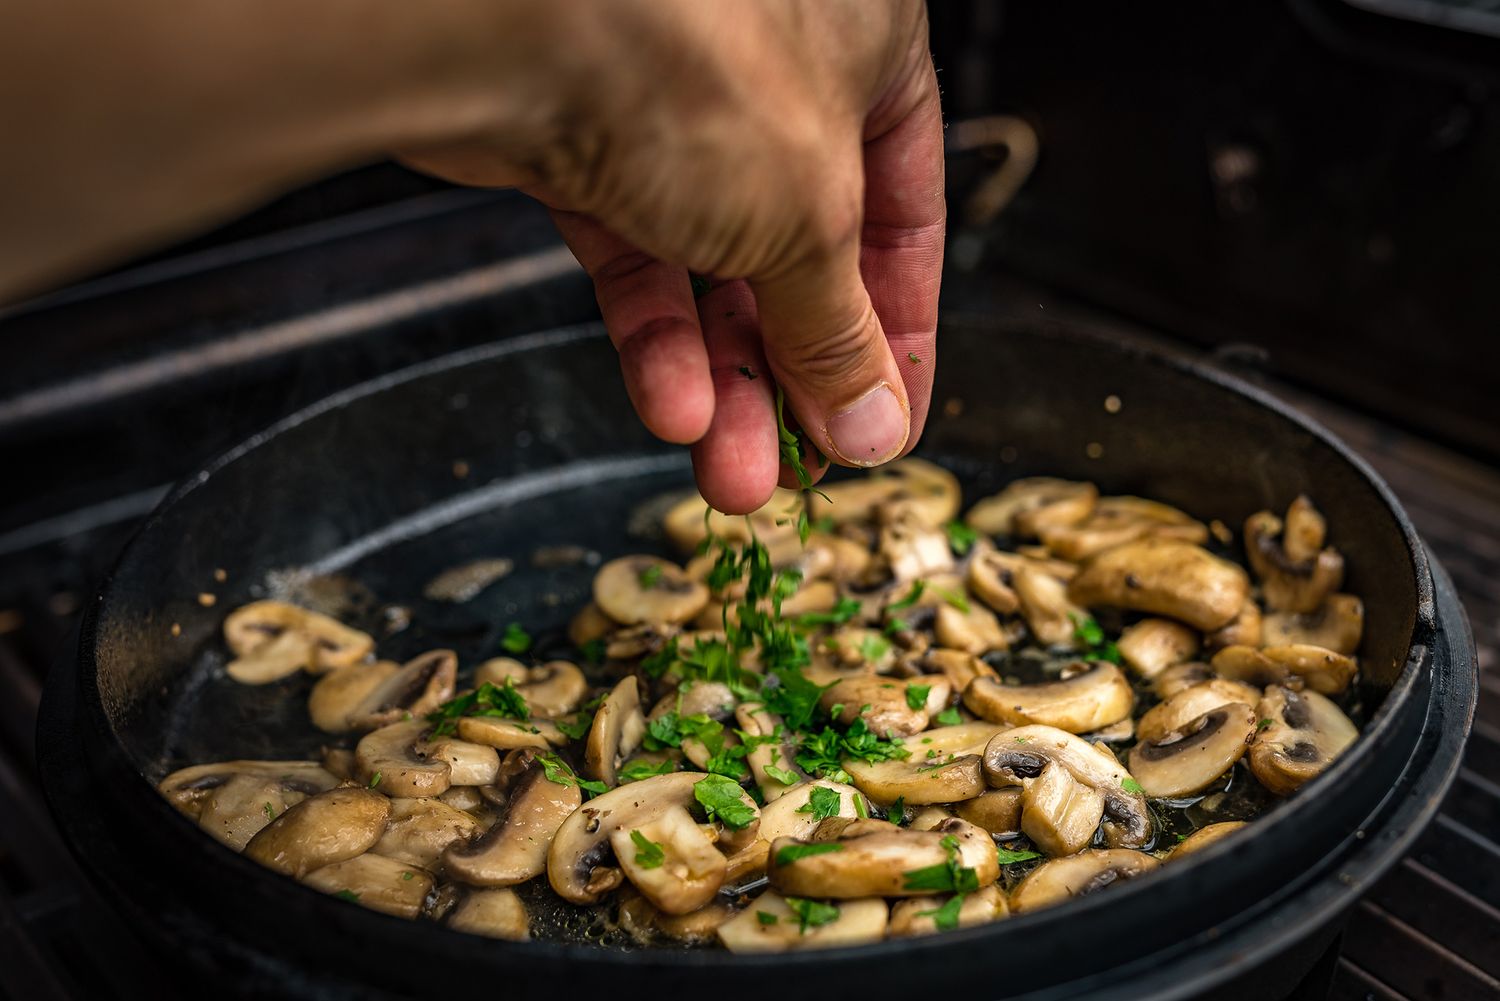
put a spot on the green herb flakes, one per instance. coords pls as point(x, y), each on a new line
point(766, 917)
point(1009, 855)
point(960, 536)
point(822, 803)
point(949, 717)
point(516, 640)
point(348, 895)
point(912, 597)
point(648, 854)
point(948, 876)
point(374, 780)
point(650, 577)
point(638, 770)
point(945, 918)
point(1130, 785)
point(782, 775)
point(811, 913)
point(722, 798)
point(916, 696)
point(792, 853)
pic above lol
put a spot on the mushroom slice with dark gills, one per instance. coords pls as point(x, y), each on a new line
point(1180, 676)
point(553, 689)
point(1028, 505)
point(619, 726)
point(1166, 577)
point(1305, 733)
point(1087, 701)
point(420, 830)
point(774, 923)
point(515, 848)
point(366, 697)
point(493, 913)
point(1189, 760)
point(1337, 625)
point(636, 590)
point(1019, 756)
point(919, 915)
point(1116, 521)
point(1077, 876)
point(1153, 645)
point(388, 758)
point(330, 827)
point(1203, 837)
point(943, 766)
point(1192, 702)
point(873, 858)
point(583, 863)
point(885, 703)
point(272, 639)
point(189, 789)
point(388, 885)
point(1322, 670)
point(798, 813)
point(1296, 571)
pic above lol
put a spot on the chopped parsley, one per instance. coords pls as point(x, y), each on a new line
point(1264, 724)
point(637, 770)
point(782, 775)
point(954, 598)
point(822, 803)
point(912, 597)
point(1090, 636)
point(593, 651)
point(516, 639)
point(960, 536)
point(792, 853)
point(650, 577)
point(348, 895)
point(873, 647)
point(896, 812)
point(374, 780)
point(916, 696)
point(945, 918)
point(766, 917)
point(488, 699)
point(269, 810)
point(913, 356)
point(947, 876)
point(556, 770)
point(1132, 786)
point(811, 913)
point(723, 800)
point(406, 876)
point(1008, 855)
point(747, 372)
point(648, 854)
point(823, 753)
point(949, 717)
point(860, 809)
point(846, 609)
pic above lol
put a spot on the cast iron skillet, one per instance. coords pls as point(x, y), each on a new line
point(362, 487)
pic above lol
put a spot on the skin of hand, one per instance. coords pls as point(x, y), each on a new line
point(791, 149)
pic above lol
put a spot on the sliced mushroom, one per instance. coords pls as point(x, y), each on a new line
point(997, 811)
point(1337, 625)
point(1028, 505)
point(338, 694)
point(1045, 605)
point(646, 589)
point(589, 625)
point(1077, 876)
point(1115, 733)
point(235, 812)
point(757, 721)
point(1017, 756)
point(873, 858)
point(339, 761)
point(272, 639)
point(944, 767)
point(329, 827)
point(958, 667)
point(388, 885)
point(713, 699)
point(913, 549)
point(618, 729)
point(1186, 761)
point(918, 915)
point(835, 558)
point(1058, 813)
point(515, 849)
point(1323, 671)
point(420, 830)
point(885, 703)
point(1180, 676)
point(553, 689)
point(1192, 702)
point(390, 754)
point(1167, 577)
point(991, 576)
point(1153, 645)
point(188, 789)
point(1243, 630)
point(974, 629)
point(510, 734)
point(1091, 699)
point(648, 924)
point(493, 913)
point(1292, 583)
point(1205, 836)
point(919, 488)
point(769, 924)
point(674, 864)
point(1116, 521)
point(851, 651)
point(688, 522)
point(1305, 733)
point(366, 697)
point(791, 816)
point(583, 848)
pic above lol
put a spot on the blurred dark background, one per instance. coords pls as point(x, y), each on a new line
point(1308, 189)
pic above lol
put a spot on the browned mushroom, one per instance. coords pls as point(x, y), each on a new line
point(1293, 583)
point(1176, 579)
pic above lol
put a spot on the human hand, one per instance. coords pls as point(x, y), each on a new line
point(790, 149)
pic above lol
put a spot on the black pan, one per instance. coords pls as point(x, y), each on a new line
point(361, 497)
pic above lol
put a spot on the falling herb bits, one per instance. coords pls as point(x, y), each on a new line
point(516, 640)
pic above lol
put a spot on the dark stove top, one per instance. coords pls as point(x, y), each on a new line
point(187, 354)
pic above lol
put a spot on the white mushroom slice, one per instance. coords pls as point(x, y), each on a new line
point(619, 726)
point(387, 885)
point(1305, 734)
point(1045, 605)
point(1167, 577)
point(509, 734)
point(1244, 629)
point(1115, 733)
point(928, 818)
point(923, 489)
point(1337, 625)
point(918, 915)
point(1153, 645)
point(1116, 521)
point(337, 694)
point(272, 639)
point(1192, 702)
point(1180, 676)
point(1027, 505)
point(851, 651)
point(885, 703)
point(1203, 837)
point(590, 624)
point(420, 830)
point(634, 590)
point(873, 859)
point(914, 550)
point(1094, 698)
point(943, 767)
point(581, 858)
point(647, 925)
point(997, 811)
point(465, 798)
point(1189, 760)
point(990, 575)
point(1291, 584)
point(493, 913)
point(974, 630)
point(329, 827)
point(1022, 754)
point(339, 761)
point(1323, 671)
point(390, 753)
point(835, 558)
point(553, 689)
point(769, 924)
point(515, 848)
point(1077, 876)
point(671, 861)
point(235, 812)
point(793, 815)
point(688, 522)
point(188, 789)
point(958, 667)
point(469, 764)
point(1058, 813)
point(780, 755)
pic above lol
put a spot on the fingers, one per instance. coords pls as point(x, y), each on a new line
point(649, 311)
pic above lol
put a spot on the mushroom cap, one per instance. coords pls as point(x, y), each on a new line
point(1116, 521)
point(874, 860)
point(1305, 734)
point(1189, 760)
point(330, 827)
point(975, 630)
point(469, 764)
point(515, 849)
point(1192, 702)
point(1180, 676)
point(1085, 702)
point(337, 694)
point(910, 486)
point(1078, 875)
point(420, 830)
point(688, 522)
point(416, 689)
point(757, 721)
point(1244, 629)
point(790, 817)
point(618, 729)
point(390, 753)
point(272, 639)
point(944, 767)
point(1324, 671)
point(1032, 503)
point(189, 788)
point(510, 734)
point(388, 885)
point(1058, 813)
point(958, 667)
point(1045, 605)
point(1167, 577)
point(553, 689)
point(493, 913)
point(636, 590)
point(1287, 583)
point(914, 916)
point(835, 558)
point(236, 811)
point(1152, 645)
point(857, 923)
point(1203, 837)
point(1338, 625)
point(989, 577)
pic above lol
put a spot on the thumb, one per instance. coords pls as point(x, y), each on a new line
point(829, 354)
